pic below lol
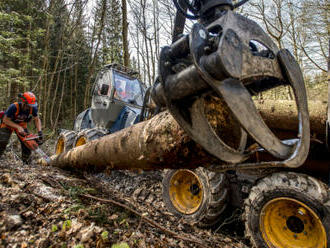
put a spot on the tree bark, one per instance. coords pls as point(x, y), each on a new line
point(161, 143)
point(91, 67)
point(154, 144)
point(329, 82)
point(125, 32)
point(282, 115)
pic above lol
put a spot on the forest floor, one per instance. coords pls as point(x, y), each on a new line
point(49, 207)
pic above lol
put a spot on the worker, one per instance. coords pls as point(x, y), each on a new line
point(120, 92)
point(16, 119)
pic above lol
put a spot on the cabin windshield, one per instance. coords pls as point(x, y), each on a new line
point(128, 89)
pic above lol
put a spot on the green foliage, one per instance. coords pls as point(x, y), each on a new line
point(79, 246)
point(99, 214)
point(54, 228)
point(20, 33)
point(105, 235)
point(74, 208)
point(66, 225)
point(120, 245)
point(112, 40)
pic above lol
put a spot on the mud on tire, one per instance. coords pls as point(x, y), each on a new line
point(88, 135)
point(288, 210)
point(65, 141)
point(199, 196)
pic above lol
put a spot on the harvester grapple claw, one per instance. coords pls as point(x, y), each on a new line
point(293, 74)
point(195, 123)
point(241, 104)
point(233, 58)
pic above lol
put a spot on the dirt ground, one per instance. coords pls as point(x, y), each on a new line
point(49, 207)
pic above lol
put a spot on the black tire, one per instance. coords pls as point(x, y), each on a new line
point(65, 141)
point(214, 196)
point(88, 135)
point(307, 198)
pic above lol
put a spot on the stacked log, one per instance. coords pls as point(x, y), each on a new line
point(161, 143)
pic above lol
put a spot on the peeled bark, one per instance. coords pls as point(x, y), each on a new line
point(154, 144)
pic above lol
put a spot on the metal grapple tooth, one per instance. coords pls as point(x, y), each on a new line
point(241, 104)
point(292, 72)
point(195, 123)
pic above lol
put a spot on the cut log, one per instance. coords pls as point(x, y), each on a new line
point(282, 114)
point(161, 143)
point(154, 144)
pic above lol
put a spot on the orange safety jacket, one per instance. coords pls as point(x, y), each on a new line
point(22, 124)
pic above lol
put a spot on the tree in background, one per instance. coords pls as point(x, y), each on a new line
point(20, 36)
point(112, 36)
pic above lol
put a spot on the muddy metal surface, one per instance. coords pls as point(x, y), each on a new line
point(48, 207)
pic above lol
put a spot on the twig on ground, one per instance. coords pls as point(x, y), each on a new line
point(230, 219)
point(147, 220)
point(25, 210)
point(51, 181)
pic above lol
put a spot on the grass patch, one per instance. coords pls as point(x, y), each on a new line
point(99, 214)
point(75, 191)
point(74, 208)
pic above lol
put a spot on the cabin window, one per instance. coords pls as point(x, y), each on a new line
point(104, 90)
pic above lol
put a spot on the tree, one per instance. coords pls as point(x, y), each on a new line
point(20, 34)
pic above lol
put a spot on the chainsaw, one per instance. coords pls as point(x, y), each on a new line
point(31, 142)
point(230, 56)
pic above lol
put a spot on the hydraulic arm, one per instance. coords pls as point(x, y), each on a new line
point(231, 56)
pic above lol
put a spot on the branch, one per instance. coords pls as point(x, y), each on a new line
point(149, 221)
point(312, 60)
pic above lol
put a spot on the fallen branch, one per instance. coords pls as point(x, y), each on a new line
point(144, 218)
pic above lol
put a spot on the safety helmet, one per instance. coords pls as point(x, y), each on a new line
point(28, 98)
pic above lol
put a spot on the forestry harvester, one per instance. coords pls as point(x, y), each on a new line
point(220, 147)
point(117, 103)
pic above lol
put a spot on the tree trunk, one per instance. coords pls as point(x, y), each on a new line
point(61, 99)
point(282, 114)
point(329, 82)
point(94, 58)
point(154, 144)
point(54, 98)
point(138, 50)
point(125, 32)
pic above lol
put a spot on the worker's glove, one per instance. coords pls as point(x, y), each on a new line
point(40, 139)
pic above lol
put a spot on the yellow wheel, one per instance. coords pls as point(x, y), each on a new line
point(81, 141)
point(286, 222)
point(186, 191)
point(64, 141)
point(59, 148)
point(288, 210)
point(87, 135)
point(198, 195)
